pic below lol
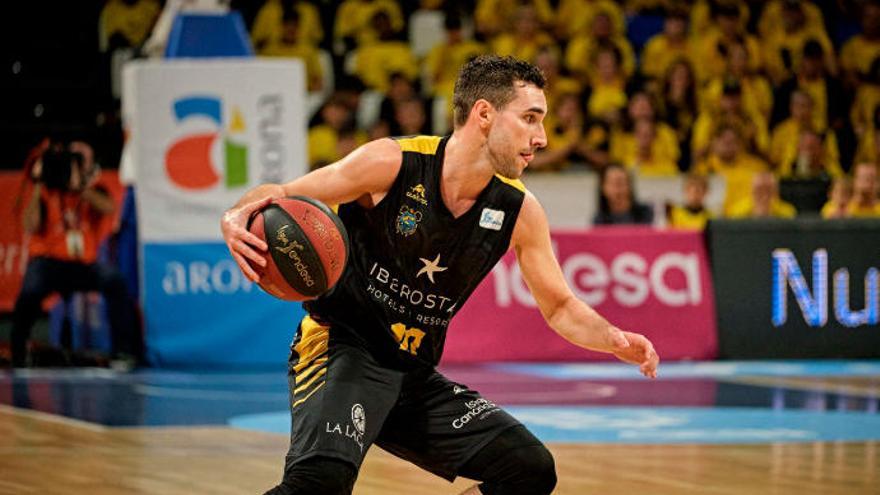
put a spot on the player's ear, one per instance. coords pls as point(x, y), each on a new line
point(484, 112)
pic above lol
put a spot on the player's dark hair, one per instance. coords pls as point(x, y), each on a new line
point(491, 78)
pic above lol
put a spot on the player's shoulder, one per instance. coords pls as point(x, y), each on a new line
point(515, 184)
point(531, 222)
point(382, 151)
point(531, 213)
point(376, 162)
point(421, 144)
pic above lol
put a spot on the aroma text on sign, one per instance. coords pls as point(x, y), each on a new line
point(199, 277)
point(628, 280)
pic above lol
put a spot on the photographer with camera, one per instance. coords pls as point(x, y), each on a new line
point(63, 217)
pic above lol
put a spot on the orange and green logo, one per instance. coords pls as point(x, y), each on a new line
point(188, 160)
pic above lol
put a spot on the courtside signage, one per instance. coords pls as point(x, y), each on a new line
point(204, 132)
point(641, 279)
point(804, 288)
point(814, 302)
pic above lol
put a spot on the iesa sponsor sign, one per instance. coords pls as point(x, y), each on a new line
point(649, 281)
point(204, 133)
point(803, 288)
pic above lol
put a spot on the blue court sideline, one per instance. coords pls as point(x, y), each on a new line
point(699, 402)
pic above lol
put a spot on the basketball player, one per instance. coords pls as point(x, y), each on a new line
point(428, 218)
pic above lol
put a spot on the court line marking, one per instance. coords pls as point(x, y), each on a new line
point(52, 418)
point(694, 369)
point(817, 385)
point(202, 394)
point(81, 375)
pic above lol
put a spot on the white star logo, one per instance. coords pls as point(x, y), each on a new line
point(431, 267)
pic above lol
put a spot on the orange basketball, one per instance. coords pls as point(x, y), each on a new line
point(308, 248)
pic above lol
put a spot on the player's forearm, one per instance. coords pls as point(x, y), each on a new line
point(261, 192)
point(581, 325)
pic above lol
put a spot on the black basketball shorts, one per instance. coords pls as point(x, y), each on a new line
point(342, 401)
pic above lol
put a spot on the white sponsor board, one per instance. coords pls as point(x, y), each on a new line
point(203, 133)
point(206, 132)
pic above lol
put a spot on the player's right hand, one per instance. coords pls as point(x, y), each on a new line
point(242, 243)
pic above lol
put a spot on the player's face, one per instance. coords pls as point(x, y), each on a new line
point(518, 131)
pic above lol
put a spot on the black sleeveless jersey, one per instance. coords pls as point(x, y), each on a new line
point(412, 264)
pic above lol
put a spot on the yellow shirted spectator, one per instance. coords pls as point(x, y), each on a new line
point(608, 86)
point(730, 111)
point(784, 46)
point(859, 52)
point(771, 16)
point(493, 16)
point(525, 37)
point(692, 214)
point(376, 62)
point(702, 22)
point(268, 23)
point(354, 19)
point(445, 59)
point(713, 46)
point(864, 109)
point(290, 45)
point(575, 17)
point(130, 22)
point(556, 85)
point(764, 201)
point(729, 160)
point(757, 95)
point(812, 77)
point(665, 48)
point(786, 140)
point(565, 140)
point(326, 141)
point(582, 49)
point(645, 152)
point(868, 149)
point(864, 203)
point(839, 196)
point(648, 143)
point(816, 157)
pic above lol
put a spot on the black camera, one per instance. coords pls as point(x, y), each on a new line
point(58, 166)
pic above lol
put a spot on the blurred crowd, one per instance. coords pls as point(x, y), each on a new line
point(780, 98)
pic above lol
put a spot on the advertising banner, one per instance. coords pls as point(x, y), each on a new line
point(644, 280)
point(206, 132)
point(805, 288)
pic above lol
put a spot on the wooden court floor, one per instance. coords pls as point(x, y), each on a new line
point(45, 454)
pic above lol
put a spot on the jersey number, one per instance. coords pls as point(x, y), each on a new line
point(410, 338)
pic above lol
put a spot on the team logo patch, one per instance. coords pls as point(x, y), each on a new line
point(417, 193)
point(408, 220)
point(491, 219)
point(358, 418)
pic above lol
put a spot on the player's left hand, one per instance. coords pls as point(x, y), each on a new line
point(635, 348)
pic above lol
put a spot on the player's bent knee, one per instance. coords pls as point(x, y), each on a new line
point(528, 470)
point(317, 476)
point(538, 471)
point(544, 471)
